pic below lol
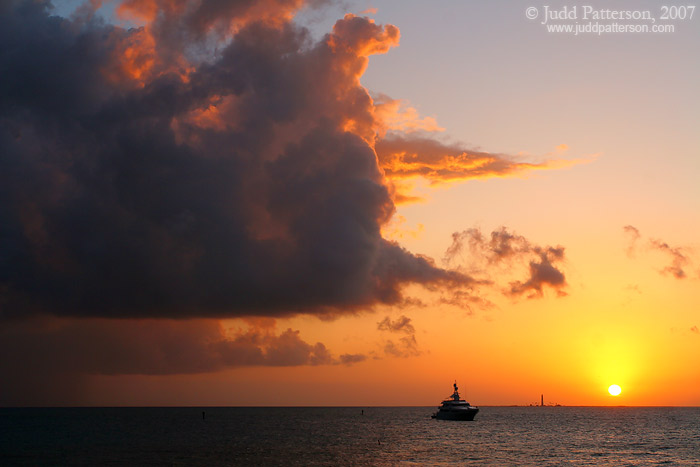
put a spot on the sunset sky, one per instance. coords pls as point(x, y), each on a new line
point(292, 203)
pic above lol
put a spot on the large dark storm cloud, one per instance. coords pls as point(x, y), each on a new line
point(135, 182)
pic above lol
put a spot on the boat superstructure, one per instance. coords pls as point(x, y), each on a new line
point(455, 408)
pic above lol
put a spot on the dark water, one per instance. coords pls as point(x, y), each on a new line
point(342, 436)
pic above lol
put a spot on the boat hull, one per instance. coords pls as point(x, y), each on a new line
point(468, 414)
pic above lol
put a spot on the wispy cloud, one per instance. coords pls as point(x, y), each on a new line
point(633, 237)
point(503, 248)
point(350, 359)
point(405, 346)
point(678, 257)
point(409, 156)
point(398, 115)
point(401, 324)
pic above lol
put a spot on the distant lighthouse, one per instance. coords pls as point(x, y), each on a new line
point(541, 400)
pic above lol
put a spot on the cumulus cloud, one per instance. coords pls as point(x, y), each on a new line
point(139, 181)
point(503, 248)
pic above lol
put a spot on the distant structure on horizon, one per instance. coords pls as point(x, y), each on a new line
point(542, 404)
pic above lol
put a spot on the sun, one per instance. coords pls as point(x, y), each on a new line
point(614, 390)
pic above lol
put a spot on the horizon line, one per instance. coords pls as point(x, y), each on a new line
point(327, 406)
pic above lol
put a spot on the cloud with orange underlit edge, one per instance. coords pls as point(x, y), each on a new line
point(396, 229)
point(405, 156)
point(397, 115)
point(242, 181)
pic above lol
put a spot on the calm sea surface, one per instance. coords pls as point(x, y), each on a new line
point(343, 436)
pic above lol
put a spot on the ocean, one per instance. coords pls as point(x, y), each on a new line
point(500, 436)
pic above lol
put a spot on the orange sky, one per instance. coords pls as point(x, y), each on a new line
point(581, 154)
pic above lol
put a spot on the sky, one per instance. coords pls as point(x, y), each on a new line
point(317, 203)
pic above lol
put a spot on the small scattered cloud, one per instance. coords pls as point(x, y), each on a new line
point(678, 257)
point(631, 293)
point(694, 329)
point(349, 359)
point(632, 234)
point(405, 346)
point(505, 249)
point(542, 272)
point(401, 324)
point(467, 301)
